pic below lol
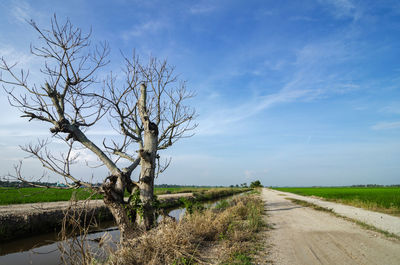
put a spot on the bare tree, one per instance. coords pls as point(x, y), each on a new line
point(148, 111)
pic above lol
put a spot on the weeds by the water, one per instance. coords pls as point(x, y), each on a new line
point(79, 219)
point(230, 229)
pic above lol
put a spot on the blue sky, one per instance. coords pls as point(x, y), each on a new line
point(288, 92)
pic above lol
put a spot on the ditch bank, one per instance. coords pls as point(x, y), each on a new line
point(23, 220)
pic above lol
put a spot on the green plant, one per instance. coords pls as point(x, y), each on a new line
point(191, 206)
point(381, 199)
point(239, 258)
point(242, 259)
point(222, 204)
point(183, 261)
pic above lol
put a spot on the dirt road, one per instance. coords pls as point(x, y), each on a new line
point(301, 235)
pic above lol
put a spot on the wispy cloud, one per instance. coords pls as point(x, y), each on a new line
point(386, 125)
point(149, 27)
point(316, 72)
point(302, 18)
point(11, 55)
point(393, 108)
point(343, 9)
point(84, 156)
point(202, 9)
point(220, 120)
point(21, 11)
point(275, 66)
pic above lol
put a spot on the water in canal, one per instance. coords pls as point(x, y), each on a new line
point(44, 249)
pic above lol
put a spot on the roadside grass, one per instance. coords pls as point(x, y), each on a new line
point(229, 231)
point(311, 205)
point(380, 199)
point(34, 195)
point(361, 224)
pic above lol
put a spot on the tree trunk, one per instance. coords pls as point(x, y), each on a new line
point(124, 219)
point(148, 155)
point(147, 174)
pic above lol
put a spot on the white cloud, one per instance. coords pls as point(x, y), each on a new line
point(12, 55)
point(219, 120)
point(303, 18)
point(343, 9)
point(275, 66)
point(102, 132)
point(85, 156)
point(145, 28)
point(386, 125)
point(21, 11)
point(393, 108)
point(314, 75)
point(201, 9)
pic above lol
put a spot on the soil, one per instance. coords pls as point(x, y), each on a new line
point(301, 235)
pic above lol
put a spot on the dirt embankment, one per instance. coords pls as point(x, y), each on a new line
point(301, 235)
point(19, 220)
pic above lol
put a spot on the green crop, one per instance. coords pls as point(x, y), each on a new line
point(383, 199)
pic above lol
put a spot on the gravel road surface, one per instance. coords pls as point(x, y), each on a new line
point(302, 235)
point(382, 221)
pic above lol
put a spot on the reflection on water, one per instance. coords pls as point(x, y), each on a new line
point(49, 252)
point(43, 249)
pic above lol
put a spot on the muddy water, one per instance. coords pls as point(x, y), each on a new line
point(44, 249)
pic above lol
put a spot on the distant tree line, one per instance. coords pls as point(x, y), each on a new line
point(254, 184)
point(183, 186)
point(243, 185)
point(20, 184)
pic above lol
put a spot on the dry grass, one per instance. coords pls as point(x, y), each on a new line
point(232, 230)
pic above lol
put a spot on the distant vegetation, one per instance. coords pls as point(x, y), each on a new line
point(19, 184)
point(375, 198)
point(255, 184)
point(13, 195)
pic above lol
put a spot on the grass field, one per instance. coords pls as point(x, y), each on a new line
point(381, 199)
point(33, 195)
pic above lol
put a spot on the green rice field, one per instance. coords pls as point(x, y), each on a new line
point(33, 195)
point(381, 199)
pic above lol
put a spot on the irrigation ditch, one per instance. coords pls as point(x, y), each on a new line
point(33, 237)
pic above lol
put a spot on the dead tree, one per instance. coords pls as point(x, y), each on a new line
point(147, 110)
